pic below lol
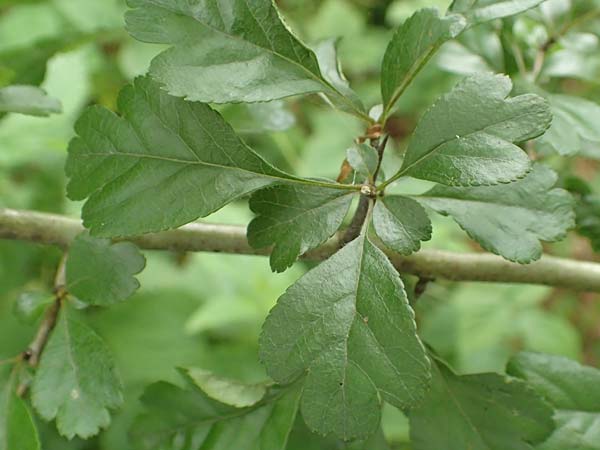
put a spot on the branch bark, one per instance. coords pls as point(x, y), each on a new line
point(57, 230)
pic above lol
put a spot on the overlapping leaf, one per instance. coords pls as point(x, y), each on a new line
point(479, 412)
point(573, 390)
point(509, 220)
point(166, 162)
point(29, 100)
point(296, 219)
point(477, 11)
point(346, 326)
point(101, 273)
point(226, 52)
point(188, 419)
point(467, 137)
point(401, 223)
point(76, 382)
point(588, 219)
point(17, 428)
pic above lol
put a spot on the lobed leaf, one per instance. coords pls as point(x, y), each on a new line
point(29, 100)
point(347, 329)
point(101, 273)
point(479, 412)
point(296, 219)
point(509, 220)
point(17, 427)
point(76, 382)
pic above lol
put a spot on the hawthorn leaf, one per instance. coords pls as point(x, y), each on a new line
point(29, 100)
point(76, 382)
point(189, 419)
point(228, 52)
point(478, 11)
point(346, 327)
point(30, 305)
point(479, 412)
point(401, 223)
point(467, 137)
point(572, 389)
point(101, 273)
point(575, 121)
point(413, 44)
point(164, 163)
point(363, 159)
point(509, 220)
point(588, 219)
point(256, 118)
point(295, 219)
point(17, 428)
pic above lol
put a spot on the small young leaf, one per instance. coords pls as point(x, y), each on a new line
point(30, 306)
point(176, 415)
point(479, 412)
point(165, 163)
point(509, 220)
point(76, 382)
point(572, 389)
point(363, 159)
point(101, 273)
point(346, 326)
point(29, 100)
point(228, 53)
point(296, 219)
point(17, 428)
point(412, 46)
point(478, 11)
point(401, 223)
point(467, 137)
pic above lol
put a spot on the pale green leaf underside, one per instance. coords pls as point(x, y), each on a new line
point(76, 382)
point(478, 11)
point(413, 44)
point(178, 419)
point(227, 52)
point(164, 163)
point(295, 219)
point(29, 100)
point(479, 412)
point(17, 428)
point(467, 137)
point(347, 327)
point(509, 220)
point(102, 273)
point(364, 160)
point(401, 223)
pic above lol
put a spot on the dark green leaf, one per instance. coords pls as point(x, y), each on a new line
point(467, 137)
point(479, 412)
point(477, 11)
point(401, 223)
point(228, 52)
point(165, 163)
point(30, 305)
point(509, 220)
point(253, 118)
point(588, 219)
point(178, 419)
point(29, 100)
point(296, 219)
point(76, 382)
point(363, 159)
point(411, 47)
point(347, 327)
point(102, 273)
point(17, 428)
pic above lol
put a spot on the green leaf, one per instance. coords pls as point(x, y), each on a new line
point(401, 223)
point(102, 273)
point(227, 52)
point(296, 219)
point(478, 11)
point(165, 163)
point(509, 220)
point(479, 412)
point(415, 42)
point(347, 328)
point(29, 100)
point(572, 389)
point(189, 419)
point(575, 121)
point(467, 137)
point(17, 428)
point(588, 219)
point(76, 382)
point(363, 159)
point(30, 306)
point(255, 118)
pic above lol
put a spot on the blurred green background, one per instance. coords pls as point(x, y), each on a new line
point(206, 310)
